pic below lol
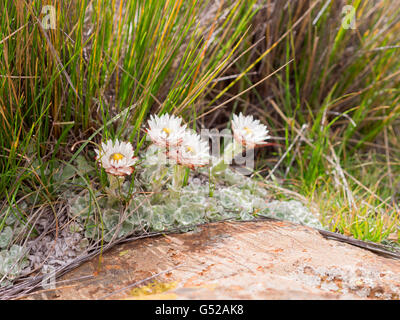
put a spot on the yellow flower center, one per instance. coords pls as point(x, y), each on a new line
point(116, 156)
point(189, 149)
point(248, 130)
point(167, 131)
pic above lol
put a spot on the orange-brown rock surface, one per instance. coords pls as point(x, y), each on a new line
point(234, 260)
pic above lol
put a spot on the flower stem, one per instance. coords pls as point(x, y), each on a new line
point(211, 185)
point(186, 177)
point(179, 177)
point(115, 183)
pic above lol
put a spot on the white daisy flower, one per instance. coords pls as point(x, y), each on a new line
point(249, 132)
point(116, 158)
point(166, 131)
point(192, 152)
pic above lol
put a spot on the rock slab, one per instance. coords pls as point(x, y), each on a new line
point(233, 260)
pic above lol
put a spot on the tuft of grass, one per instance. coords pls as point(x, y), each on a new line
point(343, 84)
point(105, 66)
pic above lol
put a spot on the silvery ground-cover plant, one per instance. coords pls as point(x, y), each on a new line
point(149, 192)
point(86, 88)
